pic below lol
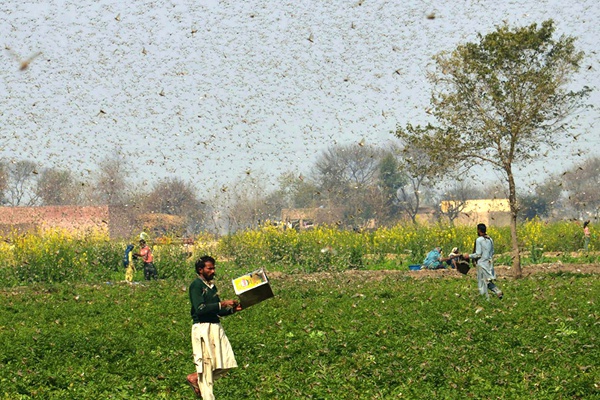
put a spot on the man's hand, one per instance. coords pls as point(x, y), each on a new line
point(238, 307)
point(228, 303)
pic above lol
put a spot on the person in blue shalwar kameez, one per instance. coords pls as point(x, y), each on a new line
point(482, 255)
point(433, 260)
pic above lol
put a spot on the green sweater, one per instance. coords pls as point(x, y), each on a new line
point(205, 303)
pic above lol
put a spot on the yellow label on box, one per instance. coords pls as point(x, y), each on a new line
point(249, 281)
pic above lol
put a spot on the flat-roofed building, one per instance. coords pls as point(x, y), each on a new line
point(492, 212)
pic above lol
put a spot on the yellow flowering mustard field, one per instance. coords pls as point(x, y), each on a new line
point(59, 255)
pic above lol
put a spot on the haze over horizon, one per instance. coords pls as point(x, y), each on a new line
point(215, 91)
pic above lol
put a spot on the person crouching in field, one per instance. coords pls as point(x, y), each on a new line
point(212, 351)
point(482, 255)
point(454, 257)
point(433, 259)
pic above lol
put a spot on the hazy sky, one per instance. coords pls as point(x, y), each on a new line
point(212, 91)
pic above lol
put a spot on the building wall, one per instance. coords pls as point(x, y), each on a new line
point(493, 218)
point(487, 205)
point(316, 215)
point(492, 212)
point(116, 222)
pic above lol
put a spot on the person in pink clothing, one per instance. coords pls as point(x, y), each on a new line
point(586, 235)
point(146, 255)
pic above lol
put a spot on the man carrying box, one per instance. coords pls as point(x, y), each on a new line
point(213, 355)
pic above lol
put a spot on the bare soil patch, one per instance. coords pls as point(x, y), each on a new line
point(502, 272)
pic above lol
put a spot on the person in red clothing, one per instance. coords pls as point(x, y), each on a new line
point(146, 255)
point(586, 235)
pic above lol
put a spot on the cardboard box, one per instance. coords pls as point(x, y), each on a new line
point(252, 288)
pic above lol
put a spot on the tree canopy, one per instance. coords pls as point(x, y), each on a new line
point(503, 100)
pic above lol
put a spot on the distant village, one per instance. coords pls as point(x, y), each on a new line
point(349, 186)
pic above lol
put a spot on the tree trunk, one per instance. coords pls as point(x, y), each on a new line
point(417, 202)
point(512, 199)
point(413, 218)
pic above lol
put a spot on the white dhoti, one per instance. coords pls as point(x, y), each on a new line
point(213, 355)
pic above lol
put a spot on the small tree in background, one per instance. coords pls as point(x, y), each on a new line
point(297, 191)
point(110, 185)
point(543, 200)
point(502, 100)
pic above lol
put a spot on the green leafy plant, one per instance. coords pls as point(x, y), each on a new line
point(338, 335)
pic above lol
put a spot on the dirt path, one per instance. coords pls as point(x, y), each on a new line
point(502, 272)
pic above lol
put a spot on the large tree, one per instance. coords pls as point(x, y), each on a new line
point(542, 200)
point(22, 178)
point(503, 100)
point(391, 179)
point(345, 176)
point(111, 181)
point(419, 169)
point(297, 191)
point(173, 196)
point(3, 182)
point(57, 187)
point(583, 185)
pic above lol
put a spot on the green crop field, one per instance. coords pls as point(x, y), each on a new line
point(339, 335)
